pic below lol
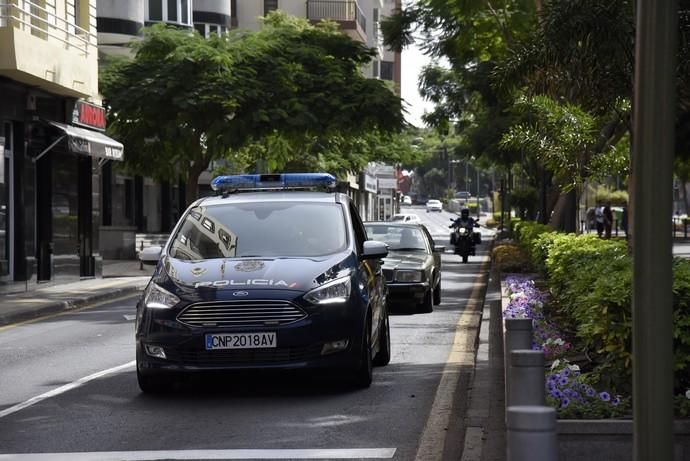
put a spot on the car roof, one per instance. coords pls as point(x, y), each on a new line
point(272, 196)
point(393, 224)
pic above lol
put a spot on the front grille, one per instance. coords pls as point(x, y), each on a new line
point(246, 313)
point(388, 274)
point(251, 356)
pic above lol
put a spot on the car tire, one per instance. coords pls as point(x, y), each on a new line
point(437, 294)
point(364, 373)
point(151, 383)
point(427, 306)
point(383, 356)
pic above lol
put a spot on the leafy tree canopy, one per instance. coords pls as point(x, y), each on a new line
point(184, 100)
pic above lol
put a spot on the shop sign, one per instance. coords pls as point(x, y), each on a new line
point(370, 184)
point(388, 183)
point(89, 115)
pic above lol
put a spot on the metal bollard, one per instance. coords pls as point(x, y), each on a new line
point(531, 433)
point(527, 380)
point(141, 262)
point(518, 335)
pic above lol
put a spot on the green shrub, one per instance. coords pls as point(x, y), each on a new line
point(527, 234)
point(508, 257)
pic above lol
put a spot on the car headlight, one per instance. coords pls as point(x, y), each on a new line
point(336, 291)
point(156, 297)
point(409, 276)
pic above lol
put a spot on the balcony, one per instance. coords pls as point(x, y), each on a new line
point(347, 13)
point(39, 47)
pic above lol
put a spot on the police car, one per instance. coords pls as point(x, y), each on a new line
point(274, 272)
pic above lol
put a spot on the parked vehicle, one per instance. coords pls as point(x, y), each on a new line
point(413, 266)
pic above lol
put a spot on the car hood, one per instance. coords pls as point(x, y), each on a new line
point(405, 260)
point(299, 274)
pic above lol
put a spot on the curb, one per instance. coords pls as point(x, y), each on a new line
point(56, 307)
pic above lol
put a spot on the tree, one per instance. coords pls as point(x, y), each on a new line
point(184, 100)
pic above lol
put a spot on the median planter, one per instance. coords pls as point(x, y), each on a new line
point(578, 439)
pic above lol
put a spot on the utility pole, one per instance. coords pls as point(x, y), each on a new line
point(654, 106)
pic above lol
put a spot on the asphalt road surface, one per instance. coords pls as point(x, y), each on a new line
point(68, 391)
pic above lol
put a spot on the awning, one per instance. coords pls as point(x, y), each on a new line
point(88, 142)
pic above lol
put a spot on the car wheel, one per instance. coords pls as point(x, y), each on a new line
point(427, 305)
point(384, 354)
point(437, 294)
point(364, 373)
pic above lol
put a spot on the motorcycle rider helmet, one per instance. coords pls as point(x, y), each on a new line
point(465, 213)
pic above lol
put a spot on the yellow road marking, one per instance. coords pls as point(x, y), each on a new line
point(462, 354)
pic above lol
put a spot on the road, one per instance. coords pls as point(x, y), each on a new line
point(69, 391)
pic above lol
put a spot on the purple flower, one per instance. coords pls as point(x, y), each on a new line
point(615, 402)
point(605, 396)
point(590, 391)
point(563, 381)
point(565, 402)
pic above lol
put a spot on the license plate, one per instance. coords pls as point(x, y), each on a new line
point(241, 341)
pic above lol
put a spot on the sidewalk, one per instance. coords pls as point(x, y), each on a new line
point(120, 278)
point(485, 437)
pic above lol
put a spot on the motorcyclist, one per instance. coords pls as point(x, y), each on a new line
point(465, 220)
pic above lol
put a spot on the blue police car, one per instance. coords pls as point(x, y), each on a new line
point(274, 272)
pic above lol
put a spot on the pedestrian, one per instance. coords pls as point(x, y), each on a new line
point(624, 221)
point(599, 218)
point(608, 220)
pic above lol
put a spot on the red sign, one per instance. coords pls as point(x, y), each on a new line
point(89, 115)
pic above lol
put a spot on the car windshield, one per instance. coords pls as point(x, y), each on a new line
point(270, 229)
point(398, 237)
point(433, 202)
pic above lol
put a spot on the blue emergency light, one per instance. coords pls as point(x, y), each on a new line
point(273, 181)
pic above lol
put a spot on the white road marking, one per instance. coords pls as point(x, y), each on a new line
point(344, 453)
point(129, 317)
point(63, 389)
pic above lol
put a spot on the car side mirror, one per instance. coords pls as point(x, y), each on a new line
point(150, 255)
point(373, 249)
point(439, 249)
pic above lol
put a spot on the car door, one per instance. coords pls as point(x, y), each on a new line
point(374, 273)
point(435, 254)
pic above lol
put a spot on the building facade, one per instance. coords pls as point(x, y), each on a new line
point(51, 141)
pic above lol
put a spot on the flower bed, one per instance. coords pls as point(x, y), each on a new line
point(568, 389)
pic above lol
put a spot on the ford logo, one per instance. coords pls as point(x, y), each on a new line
point(240, 293)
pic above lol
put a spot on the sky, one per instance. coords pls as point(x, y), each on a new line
point(412, 63)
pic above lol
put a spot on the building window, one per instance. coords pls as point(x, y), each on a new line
point(184, 9)
point(172, 10)
point(155, 10)
point(175, 11)
point(270, 5)
point(386, 70)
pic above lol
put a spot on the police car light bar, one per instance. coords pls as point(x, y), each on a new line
point(273, 181)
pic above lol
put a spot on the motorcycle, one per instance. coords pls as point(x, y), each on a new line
point(464, 240)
